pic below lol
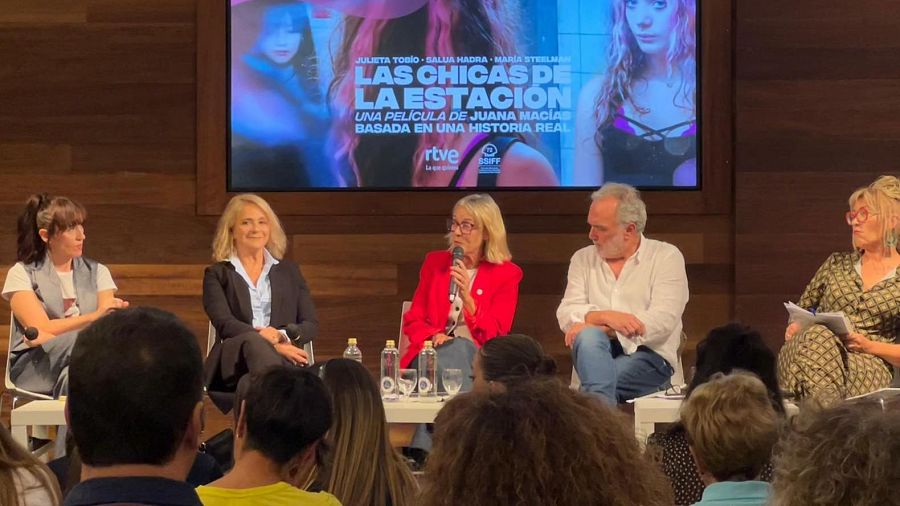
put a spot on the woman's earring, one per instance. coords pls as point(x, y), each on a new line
point(891, 240)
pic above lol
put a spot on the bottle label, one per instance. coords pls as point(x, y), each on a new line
point(387, 385)
point(424, 385)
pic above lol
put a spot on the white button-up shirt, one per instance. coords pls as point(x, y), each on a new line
point(652, 286)
point(261, 292)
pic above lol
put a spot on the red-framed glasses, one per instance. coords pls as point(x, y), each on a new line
point(861, 215)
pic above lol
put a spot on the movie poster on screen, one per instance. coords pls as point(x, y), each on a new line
point(403, 94)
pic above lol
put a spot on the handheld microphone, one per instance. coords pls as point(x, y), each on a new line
point(293, 332)
point(454, 288)
point(31, 333)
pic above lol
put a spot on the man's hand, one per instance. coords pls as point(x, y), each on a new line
point(572, 333)
point(625, 323)
point(296, 355)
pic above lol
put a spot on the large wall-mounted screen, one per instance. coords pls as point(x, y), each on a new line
point(408, 94)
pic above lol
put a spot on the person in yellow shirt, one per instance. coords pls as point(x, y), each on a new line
point(283, 417)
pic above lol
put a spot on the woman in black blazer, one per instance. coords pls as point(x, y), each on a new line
point(257, 301)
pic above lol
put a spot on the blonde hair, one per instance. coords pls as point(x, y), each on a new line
point(731, 425)
point(223, 242)
point(362, 469)
point(487, 218)
point(14, 459)
point(627, 64)
point(882, 197)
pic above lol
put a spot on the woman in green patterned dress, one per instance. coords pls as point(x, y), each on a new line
point(865, 285)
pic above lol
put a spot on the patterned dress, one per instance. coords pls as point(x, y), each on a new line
point(815, 363)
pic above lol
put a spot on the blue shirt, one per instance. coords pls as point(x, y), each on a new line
point(261, 292)
point(132, 490)
point(736, 493)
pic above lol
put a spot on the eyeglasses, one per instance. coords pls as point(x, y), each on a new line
point(861, 216)
point(675, 391)
point(465, 228)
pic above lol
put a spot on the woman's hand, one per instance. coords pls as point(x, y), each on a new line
point(439, 339)
point(857, 342)
point(791, 331)
point(271, 334)
point(460, 274)
point(42, 338)
point(296, 355)
point(107, 306)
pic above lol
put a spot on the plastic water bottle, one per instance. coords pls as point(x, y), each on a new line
point(390, 370)
point(428, 371)
point(352, 352)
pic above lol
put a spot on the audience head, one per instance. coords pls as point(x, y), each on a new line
point(508, 359)
point(875, 215)
point(737, 347)
point(537, 443)
point(488, 233)
point(54, 222)
point(846, 454)
point(248, 221)
point(363, 467)
point(731, 427)
point(284, 412)
point(135, 390)
point(15, 461)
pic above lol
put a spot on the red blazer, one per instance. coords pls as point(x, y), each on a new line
point(495, 289)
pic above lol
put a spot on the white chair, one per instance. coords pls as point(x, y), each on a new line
point(677, 376)
point(402, 339)
point(15, 392)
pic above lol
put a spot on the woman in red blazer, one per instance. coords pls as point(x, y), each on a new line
point(489, 289)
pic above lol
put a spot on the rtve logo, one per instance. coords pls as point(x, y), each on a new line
point(436, 154)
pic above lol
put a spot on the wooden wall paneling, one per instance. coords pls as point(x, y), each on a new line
point(17, 158)
point(816, 100)
point(120, 105)
point(42, 11)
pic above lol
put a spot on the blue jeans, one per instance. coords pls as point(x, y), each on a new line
point(606, 371)
point(456, 353)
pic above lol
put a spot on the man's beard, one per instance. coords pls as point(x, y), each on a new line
point(613, 248)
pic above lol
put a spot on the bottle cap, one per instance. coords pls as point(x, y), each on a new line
point(351, 341)
point(429, 344)
point(389, 343)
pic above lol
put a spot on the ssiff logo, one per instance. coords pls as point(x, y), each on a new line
point(489, 163)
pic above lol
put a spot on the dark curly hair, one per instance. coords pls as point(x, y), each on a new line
point(537, 443)
point(848, 454)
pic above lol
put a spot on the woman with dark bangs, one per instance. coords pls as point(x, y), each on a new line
point(444, 29)
point(637, 123)
point(54, 289)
